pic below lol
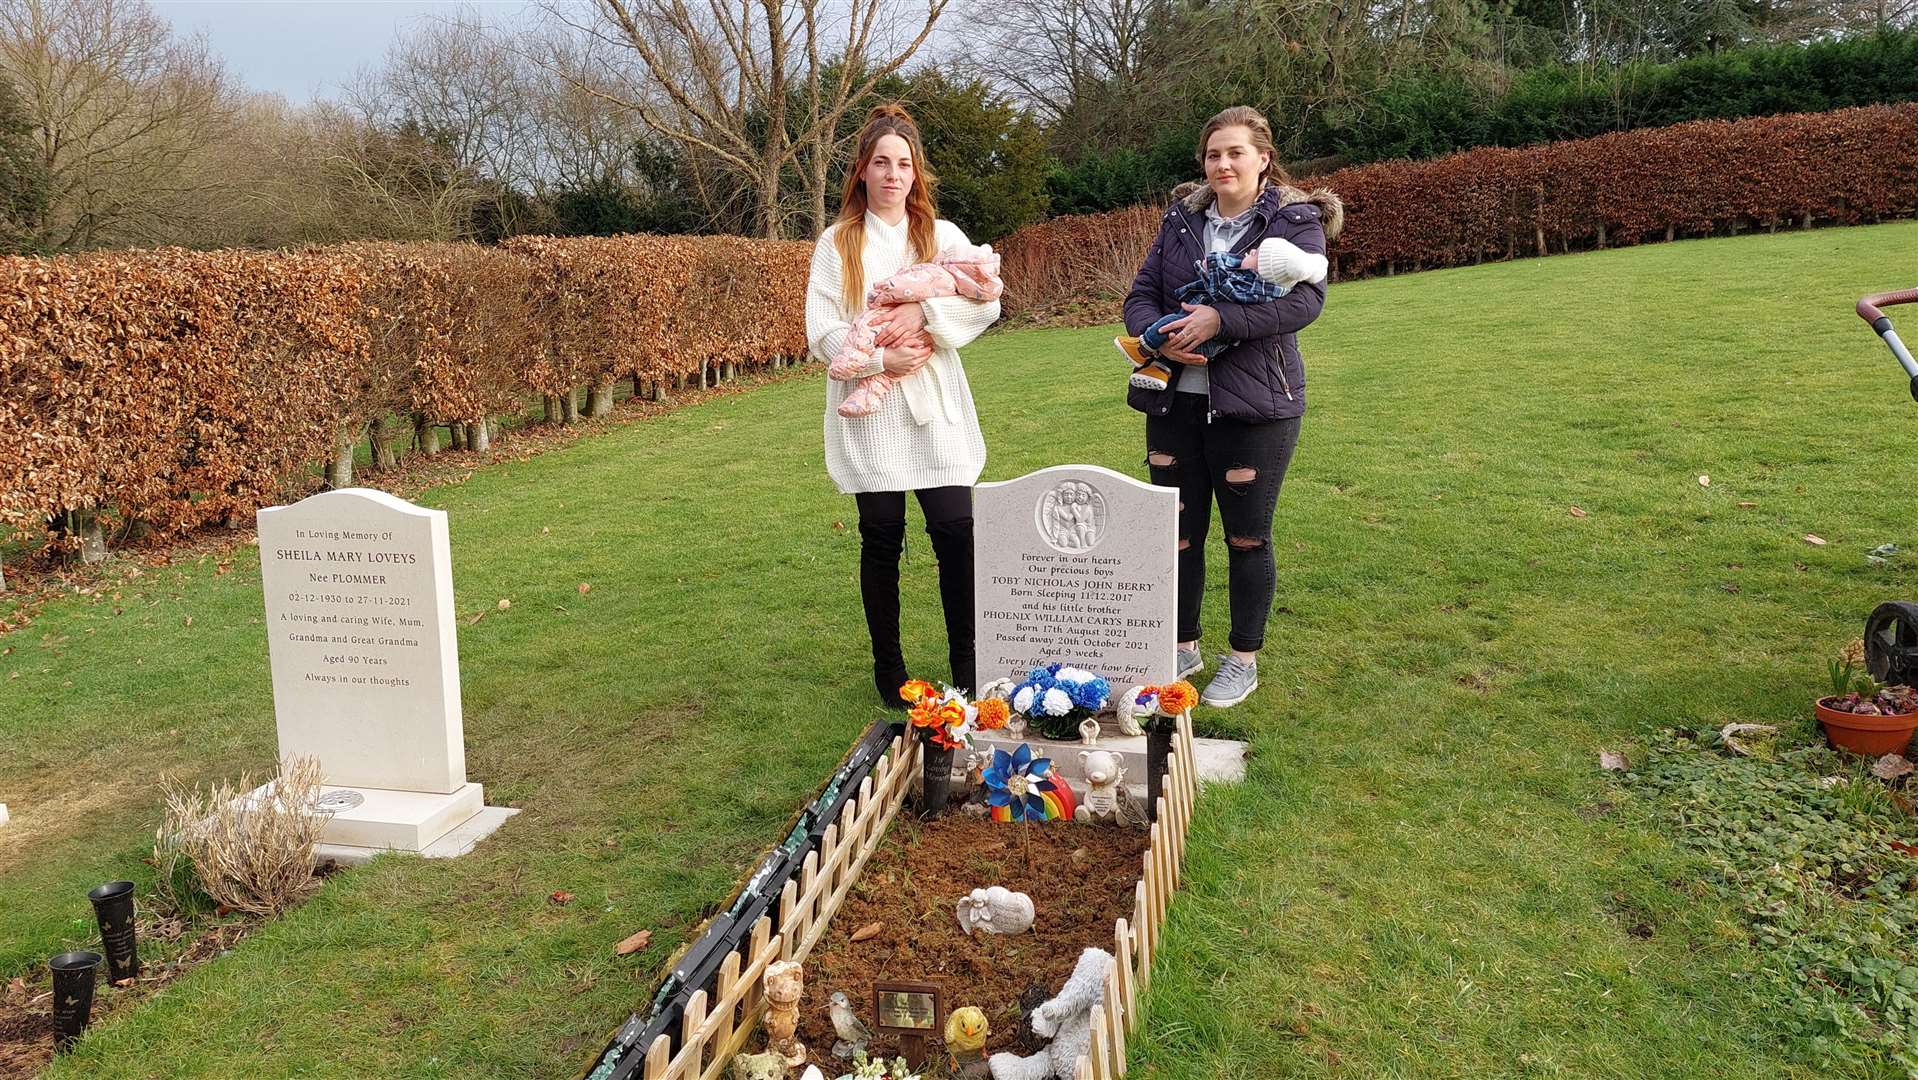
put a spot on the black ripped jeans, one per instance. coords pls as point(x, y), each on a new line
point(1242, 466)
point(882, 540)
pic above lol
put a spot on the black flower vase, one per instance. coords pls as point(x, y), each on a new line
point(113, 906)
point(72, 995)
point(936, 789)
point(1158, 748)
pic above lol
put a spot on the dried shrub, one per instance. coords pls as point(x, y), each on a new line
point(1701, 178)
point(249, 853)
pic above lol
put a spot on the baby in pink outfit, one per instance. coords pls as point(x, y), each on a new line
point(968, 271)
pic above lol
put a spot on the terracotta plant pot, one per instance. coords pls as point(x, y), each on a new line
point(1873, 735)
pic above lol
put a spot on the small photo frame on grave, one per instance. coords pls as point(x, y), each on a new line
point(912, 1012)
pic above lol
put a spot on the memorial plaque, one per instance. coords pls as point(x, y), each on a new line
point(359, 615)
point(1077, 564)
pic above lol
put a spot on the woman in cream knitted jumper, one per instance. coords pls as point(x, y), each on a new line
point(924, 438)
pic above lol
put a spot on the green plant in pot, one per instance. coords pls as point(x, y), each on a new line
point(1862, 716)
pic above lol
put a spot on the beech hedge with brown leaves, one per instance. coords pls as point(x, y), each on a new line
point(1703, 178)
point(172, 389)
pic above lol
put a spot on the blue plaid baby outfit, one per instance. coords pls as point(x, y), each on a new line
point(1221, 279)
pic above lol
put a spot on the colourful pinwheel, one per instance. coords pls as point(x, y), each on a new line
point(1020, 787)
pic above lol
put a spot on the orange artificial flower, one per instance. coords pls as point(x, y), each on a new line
point(952, 714)
point(925, 714)
point(993, 714)
point(915, 690)
point(1177, 698)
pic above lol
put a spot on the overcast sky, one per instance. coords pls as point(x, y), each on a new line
point(306, 48)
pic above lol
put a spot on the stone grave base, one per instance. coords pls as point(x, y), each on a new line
point(414, 822)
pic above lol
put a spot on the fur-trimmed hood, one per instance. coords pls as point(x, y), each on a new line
point(1197, 196)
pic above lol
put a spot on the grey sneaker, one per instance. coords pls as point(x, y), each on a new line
point(1234, 682)
point(1190, 663)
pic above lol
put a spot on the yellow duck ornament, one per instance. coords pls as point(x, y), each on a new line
point(966, 1031)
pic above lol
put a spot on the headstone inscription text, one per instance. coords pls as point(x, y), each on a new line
point(1076, 564)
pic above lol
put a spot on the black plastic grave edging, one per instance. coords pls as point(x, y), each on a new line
point(697, 967)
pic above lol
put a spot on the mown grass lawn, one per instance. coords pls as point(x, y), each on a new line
point(1424, 874)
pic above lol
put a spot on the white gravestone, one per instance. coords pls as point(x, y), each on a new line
point(1076, 564)
point(359, 615)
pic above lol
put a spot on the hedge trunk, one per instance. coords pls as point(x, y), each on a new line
point(386, 455)
point(553, 413)
point(339, 473)
point(599, 399)
point(569, 406)
point(478, 437)
point(427, 434)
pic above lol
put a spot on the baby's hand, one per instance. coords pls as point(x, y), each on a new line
point(1251, 260)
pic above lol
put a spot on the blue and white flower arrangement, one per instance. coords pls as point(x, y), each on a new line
point(1055, 698)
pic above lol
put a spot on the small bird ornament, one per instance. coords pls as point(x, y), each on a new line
point(966, 1031)
point(852, 1031)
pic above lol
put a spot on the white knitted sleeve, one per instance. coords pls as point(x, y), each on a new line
point(826, 321)
point(953, 321)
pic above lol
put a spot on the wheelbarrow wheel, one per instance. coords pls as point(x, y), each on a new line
point(1891, 643)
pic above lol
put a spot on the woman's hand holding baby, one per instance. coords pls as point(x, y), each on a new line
point(909, 355)
point(898, 322)
point(1200, 325)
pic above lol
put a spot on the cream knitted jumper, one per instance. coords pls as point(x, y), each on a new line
point(889, 450)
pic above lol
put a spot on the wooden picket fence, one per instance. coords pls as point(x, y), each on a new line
point(1136, 942)
point(712, 1031)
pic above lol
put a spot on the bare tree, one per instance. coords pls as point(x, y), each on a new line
point(754, 85)
point(461, 86)
point(1051, 53)
point(119, 106)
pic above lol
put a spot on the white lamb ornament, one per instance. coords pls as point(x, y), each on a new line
point(1067, 1019)
point(997, 910)
point(1105, 798)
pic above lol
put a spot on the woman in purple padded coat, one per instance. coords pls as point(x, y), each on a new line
point(1225, 429)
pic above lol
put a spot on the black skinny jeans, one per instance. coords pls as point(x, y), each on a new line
point(1242, 466)
point(882, 540)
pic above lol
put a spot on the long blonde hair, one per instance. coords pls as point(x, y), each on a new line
point(1252, 120)
point(850, 237)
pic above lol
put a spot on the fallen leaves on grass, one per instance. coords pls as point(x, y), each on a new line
point(1891, 767)
point(633, 944)
point(1612, 761)
point(1730, 732)
point(504, 603)
point(868, 931)
point(1704, 480)
point(560, 897)
point(584, 588)
point(1814, 540)
point(1578, 513)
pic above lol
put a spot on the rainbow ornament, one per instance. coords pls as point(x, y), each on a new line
point(1020, 787)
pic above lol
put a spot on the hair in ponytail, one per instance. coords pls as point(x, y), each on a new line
point(850, 237)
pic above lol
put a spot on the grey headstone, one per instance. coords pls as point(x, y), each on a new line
point(1076, 564)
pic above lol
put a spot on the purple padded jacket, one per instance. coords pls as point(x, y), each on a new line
point(1259, 378)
